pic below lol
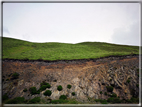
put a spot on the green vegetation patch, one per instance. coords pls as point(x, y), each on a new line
point(128, 81)
point(47, 93)
point(109, 88)
point(19, 49)
point(113, 95)
point(59, 88)
point(5, 97)
point(25, 90)
point(35, 100)
point(69, 86)
point(45, 84)
point(73, 93)
point(63, 97)
point(105, 93)
point(15, 75)
point(33, 90)
point(17, 100)
point(60, 101)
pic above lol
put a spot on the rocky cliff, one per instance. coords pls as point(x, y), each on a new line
point(88, 78)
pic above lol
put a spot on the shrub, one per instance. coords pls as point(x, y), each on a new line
point(63, 97)
point(114, 100)
point(17, 100)
point(73, 93)
point(100, 92)
point(103, 101)
point(111, 99)
point(25, 90)
point(97, 100)
point(134, 100)
point(35, 100)
point(69, 86)
point(47, 93)
point(46, 84)
point(128, 81)
point(113, 95)
point(60, 101)
point(43, 87)
point(138, 70)
point(105, 93)
point(59, 88)
point(5, 97)
point(137, 85)
point(109, 88)
point(15, 75)
point(33, 90)
point(55, 80)
point(7, 79)
point(117, 100)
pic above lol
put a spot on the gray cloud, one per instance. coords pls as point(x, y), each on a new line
point(130, 36)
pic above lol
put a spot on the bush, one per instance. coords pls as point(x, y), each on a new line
point(111, 99)
point(15, 75)
point(137, 85)
point(105, 93)
point(114, 100)
point(25, 90)
point(72, 101)
point(43, 87)
point(97, 100)
point(69, 86)
point(134, 100)
point(59, 88)
point(103, 101)
point(55, 81)
point(17, 100)
point(113, 95)
point(128, 81)
point(35, 100)
point(117, 100)
point(109, 88)
point(60, 101)
point(73, 93)
point(5, 97)
point(63, 97)
point(33, 90)
point(46, 84)
point(7, 79)
point(47, 93)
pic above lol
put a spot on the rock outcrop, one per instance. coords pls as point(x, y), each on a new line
point(88, 78)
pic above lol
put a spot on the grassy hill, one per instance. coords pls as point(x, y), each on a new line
point(18, 49)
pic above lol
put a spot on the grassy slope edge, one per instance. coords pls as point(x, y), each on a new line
point(19, 49)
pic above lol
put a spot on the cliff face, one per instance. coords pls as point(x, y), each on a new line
point(87, 78)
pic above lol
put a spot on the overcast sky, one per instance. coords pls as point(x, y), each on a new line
point(117, 23)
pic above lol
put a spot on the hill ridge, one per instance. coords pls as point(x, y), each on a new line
point(19, 49)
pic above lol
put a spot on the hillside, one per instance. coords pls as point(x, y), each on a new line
point(110, 80)
point(18, 49)
point(61, 79)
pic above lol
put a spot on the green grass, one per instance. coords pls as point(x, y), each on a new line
point(18, 49)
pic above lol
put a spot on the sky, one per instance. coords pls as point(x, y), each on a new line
point(117, 23)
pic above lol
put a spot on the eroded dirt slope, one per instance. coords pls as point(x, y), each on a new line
point(87, 78)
